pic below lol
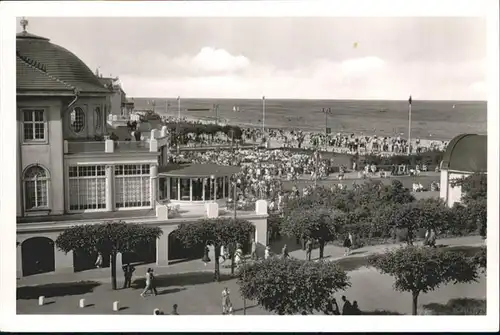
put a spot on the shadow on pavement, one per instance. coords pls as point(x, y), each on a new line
point(171, 290)
point(379, 312)
point(183, 279)
point(352, 263)
point(460, 306)
point(241, 309)
point(56, 289)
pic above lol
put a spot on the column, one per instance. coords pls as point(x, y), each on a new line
point(19, 261)
point(261, 237)
point(64, 262)
point(162, 248)
point(153, 170)
point(110, 194)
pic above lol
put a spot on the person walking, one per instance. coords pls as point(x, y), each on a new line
point(355, 308)
point(174, 310)
point(254, 250)
point(335, 307)
point(226, 301)
point(149, 283)
point(347, 246)
point(347, 308)
point(267, 253)
point(284, 251)
point(98, 261)
point(309, 247)
point(128, 270)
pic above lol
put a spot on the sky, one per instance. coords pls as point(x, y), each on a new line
point(431, 58)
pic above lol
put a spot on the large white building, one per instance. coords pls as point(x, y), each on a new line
point(71, 172)
point(465, 154)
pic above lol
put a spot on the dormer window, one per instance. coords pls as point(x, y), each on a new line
point(77, 120)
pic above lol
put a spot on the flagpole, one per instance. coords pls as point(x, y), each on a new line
point(178, 124)
point(409, 126)
point(263, 114)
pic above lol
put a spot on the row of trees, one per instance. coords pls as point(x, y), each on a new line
point(291, 286)
point(112, 238)
point(376, 211)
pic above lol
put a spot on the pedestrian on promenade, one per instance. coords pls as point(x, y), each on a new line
point(128, 270)
point(309, 247)
point(254, 250)
point(284, 251)
point(174, 310)
point(355, 308)
point(238, 255)
point(335, 307)
point(347, 245)
point(267, 253)
point(226, 301)
point(98, 261)
point(150, 286)
point(347, 308)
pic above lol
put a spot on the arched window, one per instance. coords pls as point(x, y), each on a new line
point(77, 119)
point(36, 184)
point(98, 118)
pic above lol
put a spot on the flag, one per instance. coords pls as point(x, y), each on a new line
point(179, 98)
point(409, 100)
point(263, 98)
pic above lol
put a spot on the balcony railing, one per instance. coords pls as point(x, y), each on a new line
point(125, 146)
point(79, 147)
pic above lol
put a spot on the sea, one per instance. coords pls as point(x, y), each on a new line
point(432, 120)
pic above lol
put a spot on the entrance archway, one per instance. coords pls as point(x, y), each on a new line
point(178, 252)
point(38, 255)
point(84, 260)
point(144, 254)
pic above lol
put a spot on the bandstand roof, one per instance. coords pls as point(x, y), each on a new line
point(197, 170)
point(467, 153)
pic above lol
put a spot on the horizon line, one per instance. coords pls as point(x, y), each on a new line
point(278, 98)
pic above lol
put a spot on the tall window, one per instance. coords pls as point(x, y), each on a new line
point(87, 187)
point(34, 124)
point(174, 189)
point(98, 118)
point(77, 120)
point(132, 185)
point(36, 185)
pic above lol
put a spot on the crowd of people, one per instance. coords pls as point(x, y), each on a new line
point(341, 143)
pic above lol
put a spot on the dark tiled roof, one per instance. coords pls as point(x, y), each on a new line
point(197, 170)
point(30, 77)
point(468, 153)
point(55, 61)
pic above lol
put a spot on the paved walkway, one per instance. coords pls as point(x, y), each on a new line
point(331, 252)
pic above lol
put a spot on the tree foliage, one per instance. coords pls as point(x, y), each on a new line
point(474, 187)
point(108, 238)
point(421, 270)
point(291, 286)
point(480, 258)
point(318, 224)
point(422, 214)
point(215, 232)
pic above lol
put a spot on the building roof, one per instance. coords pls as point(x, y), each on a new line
point(467, 153)
point(197, 170)
point(44, 66)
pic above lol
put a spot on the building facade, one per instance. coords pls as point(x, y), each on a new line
point(70, 168)
point(465, 154)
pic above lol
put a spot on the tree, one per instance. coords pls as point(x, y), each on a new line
point(291, 286)
point(109, 238)
point(424, 213)
point(311, 223)
point(474, 186)
point(420, 270)
point(480, 258)
point(215, 232)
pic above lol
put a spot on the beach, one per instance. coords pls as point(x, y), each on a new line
point(431, 120)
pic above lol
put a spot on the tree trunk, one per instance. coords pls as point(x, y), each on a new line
point(112, 265)
point(216, 262)
point(414, 303)
point(321, 248)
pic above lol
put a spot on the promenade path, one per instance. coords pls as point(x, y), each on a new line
point(197, 294)
point(332, 252)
